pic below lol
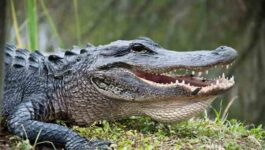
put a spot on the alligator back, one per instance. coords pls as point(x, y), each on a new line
point(21, 70)
point(29, 73)
point(22, 59)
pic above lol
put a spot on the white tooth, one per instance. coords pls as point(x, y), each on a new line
point(183, 82)
point(217, 82)
point(193, 72)
point(223, 75)
point(232, 78)
point(227, 66)
point(206, 71)
point(193, 88)
point(177, 81)
point(199, 73)
point(188, 84)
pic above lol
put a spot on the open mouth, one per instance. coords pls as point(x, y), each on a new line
point(195, 79)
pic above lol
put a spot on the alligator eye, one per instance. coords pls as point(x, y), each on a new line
point(138, 48)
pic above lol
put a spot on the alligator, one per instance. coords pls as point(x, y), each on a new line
point(107, 82)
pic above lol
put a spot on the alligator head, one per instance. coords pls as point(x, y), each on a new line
point(166, 85)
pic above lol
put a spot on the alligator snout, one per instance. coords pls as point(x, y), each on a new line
point(225, 51)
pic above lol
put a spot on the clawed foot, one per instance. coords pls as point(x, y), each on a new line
point(102, 145)
point(84, 144)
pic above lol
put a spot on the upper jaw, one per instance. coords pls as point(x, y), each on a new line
point(199, 61)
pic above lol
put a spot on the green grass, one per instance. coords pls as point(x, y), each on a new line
point(32, 24)
point(196, 133)
point(143, 133)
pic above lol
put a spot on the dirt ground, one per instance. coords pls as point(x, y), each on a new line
point(5, 142)
point(4, 139)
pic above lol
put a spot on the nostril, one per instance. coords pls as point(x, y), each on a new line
point(225, 51)
point(222, 48)
point(219, 50)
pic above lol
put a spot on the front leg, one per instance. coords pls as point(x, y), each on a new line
point(26, 122)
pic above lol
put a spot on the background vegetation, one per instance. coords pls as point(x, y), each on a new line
point(175, 24)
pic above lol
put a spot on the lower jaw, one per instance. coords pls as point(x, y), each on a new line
point(175, 112)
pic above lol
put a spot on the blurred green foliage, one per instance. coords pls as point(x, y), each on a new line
point(175, 24)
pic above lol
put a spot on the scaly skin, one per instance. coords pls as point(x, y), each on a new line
point(113, 81)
